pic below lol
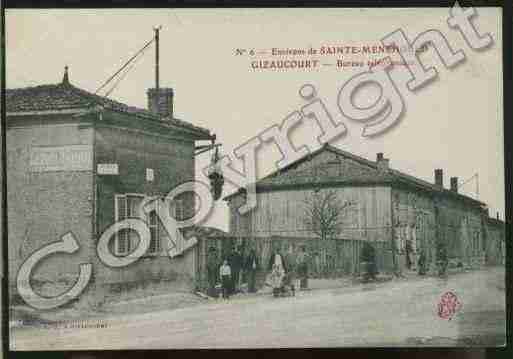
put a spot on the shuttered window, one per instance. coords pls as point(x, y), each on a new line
point(153, 224)
point(126, 206)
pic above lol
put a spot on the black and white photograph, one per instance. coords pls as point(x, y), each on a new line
point(255, 178)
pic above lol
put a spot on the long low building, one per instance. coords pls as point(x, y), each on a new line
point(397, 213)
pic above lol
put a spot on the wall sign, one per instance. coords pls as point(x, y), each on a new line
point(150, 175)
point(107, 169)
point(61, 158)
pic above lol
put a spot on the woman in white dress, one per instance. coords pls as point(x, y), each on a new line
point(277, 267)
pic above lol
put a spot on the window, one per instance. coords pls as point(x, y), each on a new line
point(126, 206)
point(158, 233)
point(178, 210)
point(153, 224)
point(350, 215)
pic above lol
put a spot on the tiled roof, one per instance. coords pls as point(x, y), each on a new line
point(64, 96)
point(330, 174)
point(326, 173)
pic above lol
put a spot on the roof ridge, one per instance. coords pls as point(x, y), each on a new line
point(26, 88)
point(80, 98)
point(393, 173)
point(351, 155)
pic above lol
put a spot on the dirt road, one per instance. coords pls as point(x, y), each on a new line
point(389, 314)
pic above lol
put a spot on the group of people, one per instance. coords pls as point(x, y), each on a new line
point(231, 270)
point(235, 266)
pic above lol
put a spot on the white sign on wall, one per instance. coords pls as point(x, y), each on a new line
point(150, 175)
point(107, 169)
point(61, 158)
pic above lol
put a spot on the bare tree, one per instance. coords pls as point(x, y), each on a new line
point(324, 213)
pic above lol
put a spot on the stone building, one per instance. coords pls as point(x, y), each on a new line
point(78, 162)
point(394, 211)
point(496, 244)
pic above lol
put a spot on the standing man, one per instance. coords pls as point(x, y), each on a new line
point(235, 262)
point(421, 266)
point(409, 250)
point(442, 260)
point(212, 265)
point(225, 273)
point(251, 268)
point(302, 268)
point(368, 256)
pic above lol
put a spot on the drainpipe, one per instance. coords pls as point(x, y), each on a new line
point(484, 234)
point(433, 268)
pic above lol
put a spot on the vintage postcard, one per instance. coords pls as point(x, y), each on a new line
point(255, 178)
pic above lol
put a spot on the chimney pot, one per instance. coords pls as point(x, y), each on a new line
point(383, 163)
point(160, 101)
point(454, 184)
point(439, 177)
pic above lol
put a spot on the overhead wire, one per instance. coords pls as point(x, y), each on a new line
point(124, 74)
point(125, 65)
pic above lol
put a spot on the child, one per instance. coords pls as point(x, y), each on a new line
point(225, 273)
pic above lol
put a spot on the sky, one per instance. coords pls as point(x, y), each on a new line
point(454, 123)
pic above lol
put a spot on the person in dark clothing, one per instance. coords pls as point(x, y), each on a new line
point(251, 268)
point(409, 251)
point(235, 262)
point(302, 268)
point(422, 263)
point(368, 256)
point(212, 269)
point(442, 260)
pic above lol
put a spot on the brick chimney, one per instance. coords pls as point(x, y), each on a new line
point(454, 184)
point(160, 101)
point(382, 161)
point(439, 177)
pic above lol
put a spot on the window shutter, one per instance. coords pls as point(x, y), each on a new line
point(121, 214)
point(153, 224)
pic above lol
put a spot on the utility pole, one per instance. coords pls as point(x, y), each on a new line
point(157, 29)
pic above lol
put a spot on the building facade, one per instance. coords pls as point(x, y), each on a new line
point(78, 162)
point(496, 244)
point(395, 212)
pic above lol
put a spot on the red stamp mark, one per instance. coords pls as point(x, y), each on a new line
point(448, 305)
